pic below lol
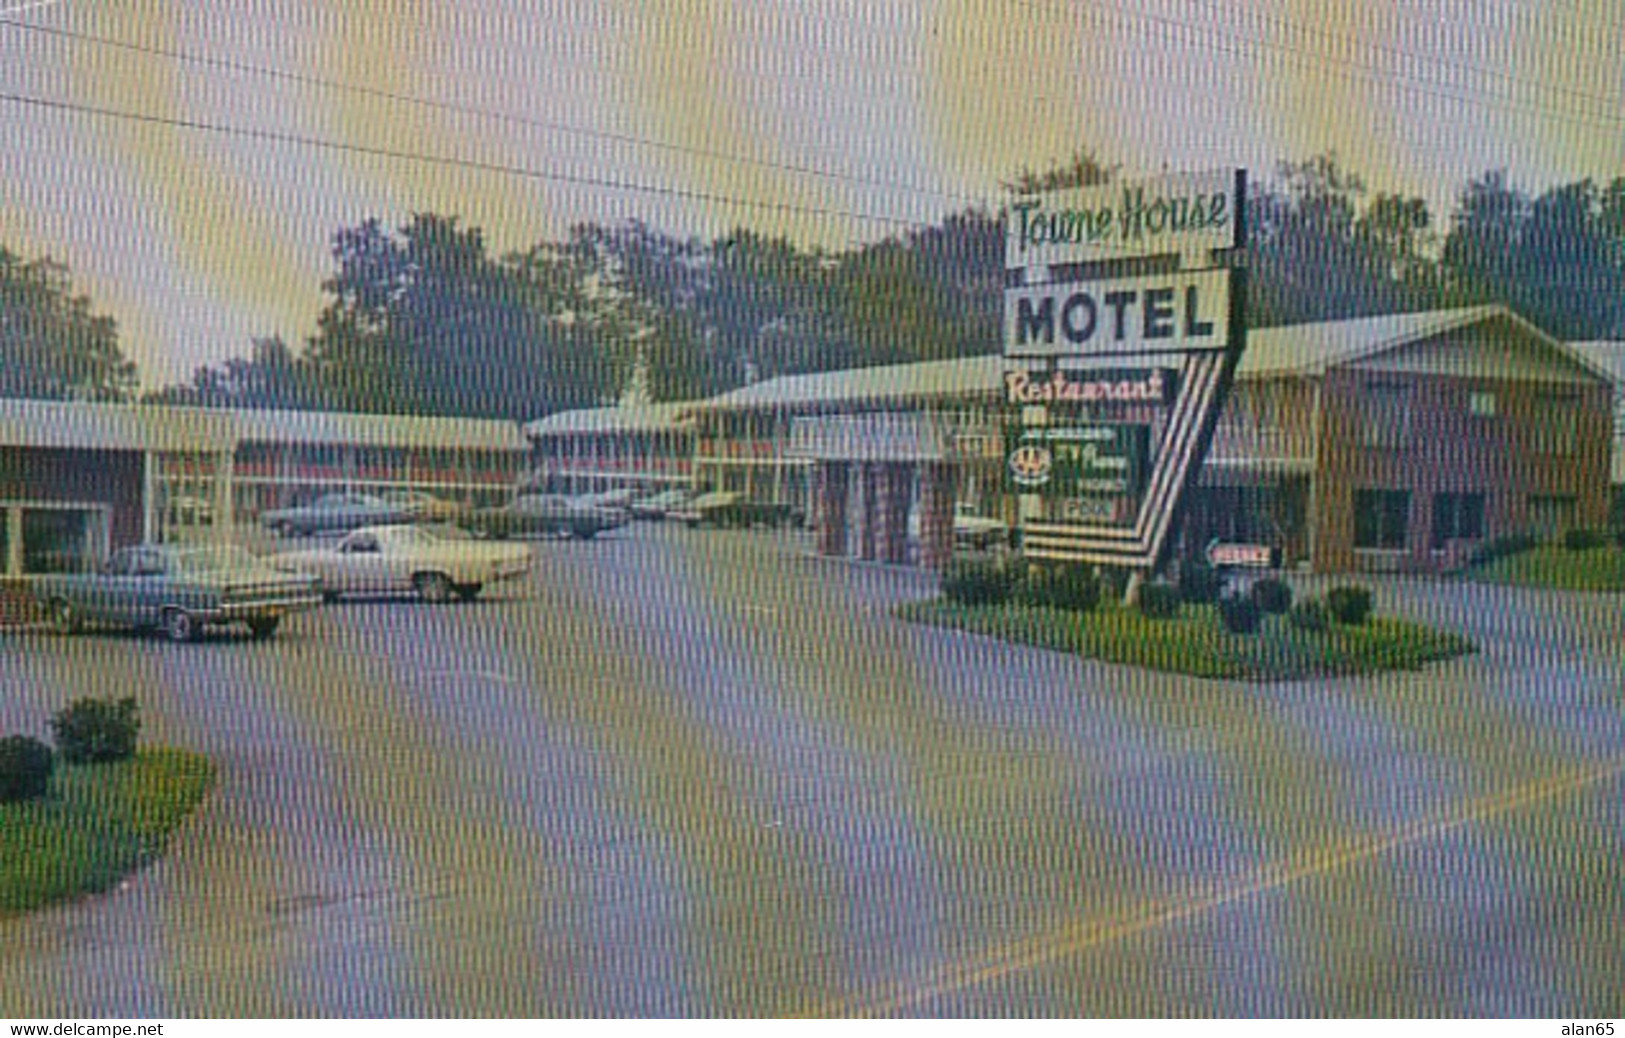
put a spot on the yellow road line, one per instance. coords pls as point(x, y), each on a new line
point(1040, 951)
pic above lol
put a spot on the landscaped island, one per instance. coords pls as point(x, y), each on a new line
point(1186, 629)
point(80, 828)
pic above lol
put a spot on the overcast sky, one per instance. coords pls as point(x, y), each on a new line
point(832, 121)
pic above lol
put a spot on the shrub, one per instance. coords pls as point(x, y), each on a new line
point(1310, 615)
point(1241, 614)
point(977, 582)
point(1584, 540)
point(1113, 580)
point(1159, 600)
point(25, 768)
point(91, 731)
point(1272, 595)
point(1501, 547)
point(1068, 586)
point(1349, 604)
point(1199, 582)
point(1619, 537)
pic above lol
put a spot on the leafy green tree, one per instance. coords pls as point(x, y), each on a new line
point(52, 345)
point(272, 377)
point(427, 322)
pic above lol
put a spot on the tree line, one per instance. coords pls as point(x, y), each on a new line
point(425, 319)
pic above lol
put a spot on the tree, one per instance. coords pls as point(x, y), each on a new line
point(52, 345)
point(1319, 253)
point(272, 377)
point(1558, 259)
point(427, 322)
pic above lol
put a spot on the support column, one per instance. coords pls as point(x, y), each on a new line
point(936, 514)
point(830, 507)
point(896, 484)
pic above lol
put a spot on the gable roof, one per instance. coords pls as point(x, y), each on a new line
point(621, 418)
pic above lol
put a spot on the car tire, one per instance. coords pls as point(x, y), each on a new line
point(433, 587)
point(180, 626)
point(64, 617)
point(262, 627)
point(468, 592)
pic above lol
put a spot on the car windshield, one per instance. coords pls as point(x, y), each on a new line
point(412, 536)
point(214, 559)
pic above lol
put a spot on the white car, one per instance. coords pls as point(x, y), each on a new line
point(378, 559)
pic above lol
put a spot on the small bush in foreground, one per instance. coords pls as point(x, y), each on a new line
point(977, 582)
point(1502, 547)
point(1159, 600)
point(1584, 540)
point(1069, 586)
point(1349, 604)
point(95, 731)
point(1199, 582)
point(1241, 614)
point(25, 768)
point(1274, 596)
point(1310, 615)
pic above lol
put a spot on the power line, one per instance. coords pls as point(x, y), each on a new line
point(232, 65)
point(1248, 46)
point(522, 172)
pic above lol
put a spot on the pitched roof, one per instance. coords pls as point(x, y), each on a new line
point(378, 430)
point(83, 425)
point(150, 427)
point(1309, 349)
point(627, 418)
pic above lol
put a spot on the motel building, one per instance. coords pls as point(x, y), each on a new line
point(1386, 444)
point(78, 480)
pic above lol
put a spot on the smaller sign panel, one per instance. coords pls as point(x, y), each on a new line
point(1156, 312)
point(1162, 215)
point(1098, 386)
point(1249, 556)
point(1094, 470)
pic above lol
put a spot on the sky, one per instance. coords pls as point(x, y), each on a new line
point(190, 161)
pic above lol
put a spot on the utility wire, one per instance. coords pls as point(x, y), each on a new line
point(522, 172)
point(1248, 46)
point(231, 65)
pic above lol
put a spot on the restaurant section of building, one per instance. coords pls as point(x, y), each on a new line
point(1388, 444)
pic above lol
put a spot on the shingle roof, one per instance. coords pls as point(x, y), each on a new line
point(1296, 349)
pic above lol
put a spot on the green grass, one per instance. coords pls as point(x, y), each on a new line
point(1196, 642)
point(1553, 566)
point(99, 823)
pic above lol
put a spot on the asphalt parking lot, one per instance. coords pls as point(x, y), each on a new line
point(701, 773)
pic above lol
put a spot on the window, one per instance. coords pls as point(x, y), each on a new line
point(1381, 518)
point(1481, 405)
point(1387, 415)
point(1457, 517)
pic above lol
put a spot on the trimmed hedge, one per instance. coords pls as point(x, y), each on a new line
point(1159, 600)
point(25, 768)
point(96, 731)
point(978, 582)
point(1502, 547)
point(1349, 604)
point(1241, 614)
point(1273, 595)
point(1199, 582)
point(1585, 540)
point(1071, 587)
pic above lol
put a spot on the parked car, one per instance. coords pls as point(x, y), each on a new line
point(377, 559)
point(731, 508)
point(178, 590)
point(423, 507)
point(334, 512)
point(977, 531)
point(658, 506)
point(553, 514)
